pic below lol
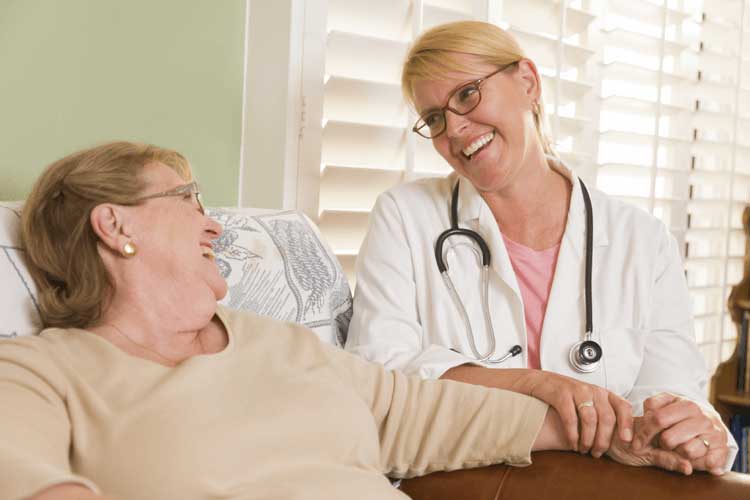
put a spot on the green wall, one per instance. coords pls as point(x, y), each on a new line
point(74, 73)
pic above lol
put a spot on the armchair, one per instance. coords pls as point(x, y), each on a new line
point(570, 476)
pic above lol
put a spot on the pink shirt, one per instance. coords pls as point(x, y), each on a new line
point(534, 272)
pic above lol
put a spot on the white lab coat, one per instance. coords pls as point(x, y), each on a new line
point(405, 318)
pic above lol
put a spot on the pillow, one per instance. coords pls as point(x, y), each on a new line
point(18, 307)
point(275, 264)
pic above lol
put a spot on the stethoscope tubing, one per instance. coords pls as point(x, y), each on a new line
point(581, 363)
point(589, 258)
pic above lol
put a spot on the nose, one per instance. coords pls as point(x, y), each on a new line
point(455, 125)
point(213, 228)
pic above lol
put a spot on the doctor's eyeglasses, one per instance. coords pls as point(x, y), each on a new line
point(462, 101)
point(186, 190)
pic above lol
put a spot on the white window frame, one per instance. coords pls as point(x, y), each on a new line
point(273, 109)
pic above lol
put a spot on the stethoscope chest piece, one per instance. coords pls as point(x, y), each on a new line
point(585, 356)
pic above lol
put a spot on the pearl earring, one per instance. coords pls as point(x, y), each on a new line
point(129, 249)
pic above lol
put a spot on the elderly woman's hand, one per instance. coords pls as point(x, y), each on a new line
point(648, 455)
point(590, 414)
point(678, 424)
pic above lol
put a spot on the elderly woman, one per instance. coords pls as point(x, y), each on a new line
point(513, 254)
point(142, 387)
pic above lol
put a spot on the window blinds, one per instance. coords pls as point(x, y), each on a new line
point(647, 99)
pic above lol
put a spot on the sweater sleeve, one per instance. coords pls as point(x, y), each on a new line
point(34, 426)
point(439, 425)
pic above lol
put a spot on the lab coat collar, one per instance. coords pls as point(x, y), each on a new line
point(471, 207)
point(470, 204)
point(575, 229)
point(473, 213)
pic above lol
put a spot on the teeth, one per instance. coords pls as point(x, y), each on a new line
point(474, 146)
point(207, 252)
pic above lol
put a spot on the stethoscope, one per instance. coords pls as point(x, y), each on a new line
point(584, 355)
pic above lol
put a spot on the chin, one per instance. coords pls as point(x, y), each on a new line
point(221, 292)
point(219, 288)
point(486, 179)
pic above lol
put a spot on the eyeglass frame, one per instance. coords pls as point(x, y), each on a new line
point(478, 83)
point(189, 188)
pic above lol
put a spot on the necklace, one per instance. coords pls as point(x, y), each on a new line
point(172, 362)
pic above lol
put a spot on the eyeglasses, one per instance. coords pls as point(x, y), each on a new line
point(185, 190)
point(461, 101)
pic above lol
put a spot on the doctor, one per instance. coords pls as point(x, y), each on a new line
point(479, 102)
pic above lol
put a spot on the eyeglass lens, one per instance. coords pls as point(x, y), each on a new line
point(462, 101)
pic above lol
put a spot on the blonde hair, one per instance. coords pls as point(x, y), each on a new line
point(61, 246)
point(433, 57)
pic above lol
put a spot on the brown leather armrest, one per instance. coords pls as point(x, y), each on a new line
point(570, 476)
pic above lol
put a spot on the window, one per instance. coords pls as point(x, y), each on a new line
point(647, 99)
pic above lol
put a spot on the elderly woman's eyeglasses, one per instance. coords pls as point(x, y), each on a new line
point(186, 190)
point(461, 101)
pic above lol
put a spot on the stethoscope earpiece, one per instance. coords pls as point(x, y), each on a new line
point(512, 353)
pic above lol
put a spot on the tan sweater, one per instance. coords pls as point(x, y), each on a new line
point(277, 414)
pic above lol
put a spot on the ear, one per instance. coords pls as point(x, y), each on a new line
point(528, 75)
point(111, 224)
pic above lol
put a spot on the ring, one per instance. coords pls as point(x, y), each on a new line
point(706, 443)
point(585, 404)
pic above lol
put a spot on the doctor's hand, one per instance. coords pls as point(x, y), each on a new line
point(675, 423)
point(590, 414)
point(648, 455)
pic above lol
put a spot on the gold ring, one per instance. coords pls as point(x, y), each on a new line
point(585, 404)
point(706, 443)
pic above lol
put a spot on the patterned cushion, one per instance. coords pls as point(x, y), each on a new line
point(275, 263)
point(18, 308)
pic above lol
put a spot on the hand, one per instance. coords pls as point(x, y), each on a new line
point(678, 424)
point(647, 454)
point(597, 423)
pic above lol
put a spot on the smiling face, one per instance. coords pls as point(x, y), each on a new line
point(491, 144)
point(174, 240)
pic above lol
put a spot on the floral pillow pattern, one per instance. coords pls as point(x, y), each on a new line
point(18, 306)
point(277, 265)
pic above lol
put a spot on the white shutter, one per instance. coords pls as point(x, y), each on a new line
point(718, 189)
point(670, 90)
point(662, 84)
point(367, 145)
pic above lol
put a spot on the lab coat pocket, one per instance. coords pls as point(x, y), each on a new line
point(623, 356)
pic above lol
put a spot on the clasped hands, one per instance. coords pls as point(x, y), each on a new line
point(674, 433)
